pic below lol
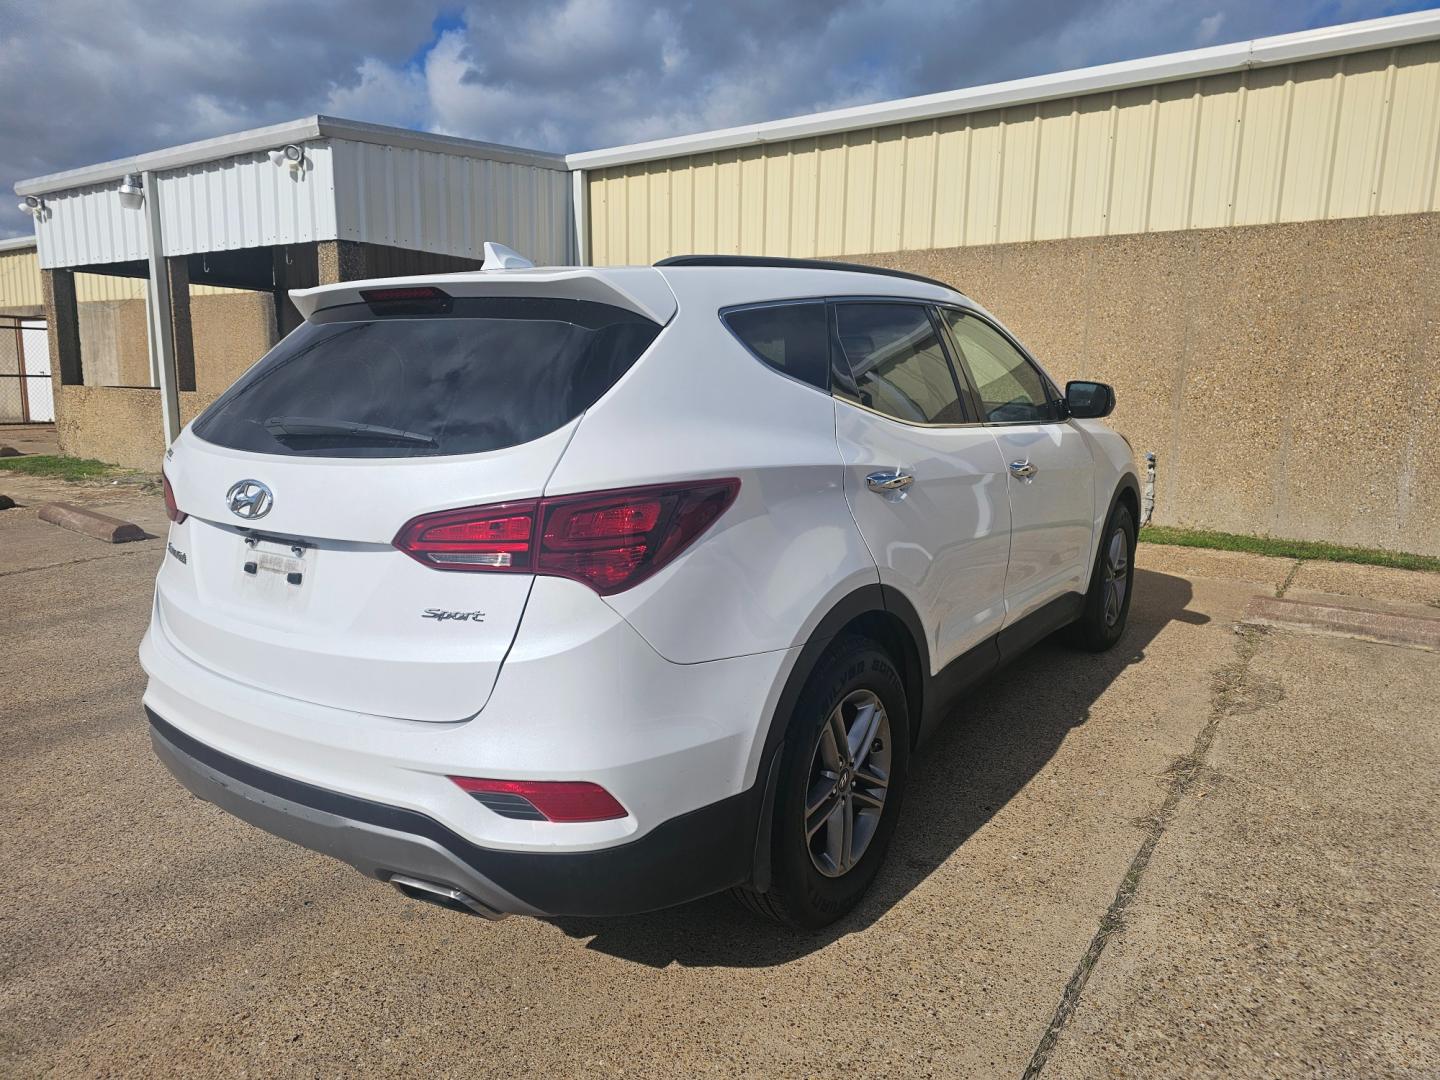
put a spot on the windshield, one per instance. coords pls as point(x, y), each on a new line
point(480, 374)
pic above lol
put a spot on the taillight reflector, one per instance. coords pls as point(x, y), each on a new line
point(558, 800)
point(172, 509)
point(609, 540)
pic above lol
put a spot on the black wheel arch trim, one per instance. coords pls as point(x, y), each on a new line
point(870, 599)
point(1130, 484)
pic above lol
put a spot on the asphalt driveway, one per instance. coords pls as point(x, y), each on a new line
point(1212, 851)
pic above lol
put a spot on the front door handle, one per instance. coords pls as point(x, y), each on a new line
point(1023, 469)
point(884, 482)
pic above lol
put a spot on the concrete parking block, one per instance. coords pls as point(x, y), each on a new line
point(1377, 582)
point(1348, 617)
point(91, 523)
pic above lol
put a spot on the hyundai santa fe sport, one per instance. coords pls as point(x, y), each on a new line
point(582, 591)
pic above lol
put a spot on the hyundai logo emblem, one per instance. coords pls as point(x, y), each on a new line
point(249, 499)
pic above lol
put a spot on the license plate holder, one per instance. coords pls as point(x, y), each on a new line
point(283, 558)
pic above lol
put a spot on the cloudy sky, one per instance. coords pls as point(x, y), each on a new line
point(83, 81)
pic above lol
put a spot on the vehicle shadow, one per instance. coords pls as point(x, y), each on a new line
point(1000, 737)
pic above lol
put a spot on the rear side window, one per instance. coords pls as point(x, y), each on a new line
point(468, 376)
point(794, 339)
point(897, 362)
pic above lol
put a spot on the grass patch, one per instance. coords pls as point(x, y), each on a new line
point(65, 468)
point(1286, 549)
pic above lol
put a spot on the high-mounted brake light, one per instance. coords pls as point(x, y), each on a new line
point(408, 300)
point(409, 292)
point(609, 540)
point(555, 800)
point(172, 509)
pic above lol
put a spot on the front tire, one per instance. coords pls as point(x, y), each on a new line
point(842, 775)
point(1107, 603)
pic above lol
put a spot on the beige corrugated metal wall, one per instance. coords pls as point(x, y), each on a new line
point(20, 283)
point(1345, 136)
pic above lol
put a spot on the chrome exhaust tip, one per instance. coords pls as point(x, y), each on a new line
point(444, 896)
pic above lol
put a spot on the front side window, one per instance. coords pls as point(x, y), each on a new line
point(473, 375)
point(1010, 388)
point(897, 362)
point(794, 339)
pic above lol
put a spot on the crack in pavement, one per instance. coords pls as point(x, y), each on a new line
point(1290, 577)
point(137, 549)
point(1230, 695)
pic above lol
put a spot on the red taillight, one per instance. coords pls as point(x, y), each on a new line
point(557, 800)
point(482, 538)
point(172, 510)
point(609, 540)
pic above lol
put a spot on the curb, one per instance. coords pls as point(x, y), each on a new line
point(90, 523)
point(1346, 620)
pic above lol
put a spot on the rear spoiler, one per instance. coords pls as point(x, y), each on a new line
point(639, 289)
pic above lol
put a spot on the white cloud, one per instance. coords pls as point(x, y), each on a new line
point(1209, 28)
point(382, 94)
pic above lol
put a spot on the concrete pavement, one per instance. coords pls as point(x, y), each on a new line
point(1282, 922)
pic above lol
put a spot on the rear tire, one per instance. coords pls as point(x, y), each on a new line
point(842, 776)
point(1112, 583)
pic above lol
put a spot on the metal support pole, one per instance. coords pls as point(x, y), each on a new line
point(150, 336)
point(580, 213)
point(20, 371)
point(162, 330)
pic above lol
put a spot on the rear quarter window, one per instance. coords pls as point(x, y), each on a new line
point(464, 377)
point(792, 338)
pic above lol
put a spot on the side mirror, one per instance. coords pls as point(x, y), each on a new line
point(1089, 400)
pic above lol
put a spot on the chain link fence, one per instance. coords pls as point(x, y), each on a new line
point(26, 395)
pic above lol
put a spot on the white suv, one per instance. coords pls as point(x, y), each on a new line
point(592, 591)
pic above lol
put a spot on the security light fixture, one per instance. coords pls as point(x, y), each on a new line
point(289, 155)
point(33, 205)
point(132, 194)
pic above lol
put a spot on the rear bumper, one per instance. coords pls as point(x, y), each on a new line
point(696, 854)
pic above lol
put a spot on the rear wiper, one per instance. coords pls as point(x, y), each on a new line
point(300, 426)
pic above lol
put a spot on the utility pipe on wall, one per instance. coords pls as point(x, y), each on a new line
point(1147, 504)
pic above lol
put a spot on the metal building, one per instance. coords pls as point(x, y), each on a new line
point(1243, 239)
point(261, 212)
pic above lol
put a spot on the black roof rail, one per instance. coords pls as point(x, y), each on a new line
point(796, 264)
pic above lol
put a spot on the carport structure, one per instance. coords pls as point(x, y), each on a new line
point(313, 201)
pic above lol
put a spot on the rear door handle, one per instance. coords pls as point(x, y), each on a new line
point(884, 482)
point(1023, 469)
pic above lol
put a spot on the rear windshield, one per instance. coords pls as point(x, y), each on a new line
point(460, 377)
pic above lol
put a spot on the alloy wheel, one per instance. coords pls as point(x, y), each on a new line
point(849, 778)
point(1116, 575)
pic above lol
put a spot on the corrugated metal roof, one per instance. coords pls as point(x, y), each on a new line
point(1258, 53)
point(422, 197)
point(1343, 136)
point(246, 202)
point(409, 197)
point(256, 140)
